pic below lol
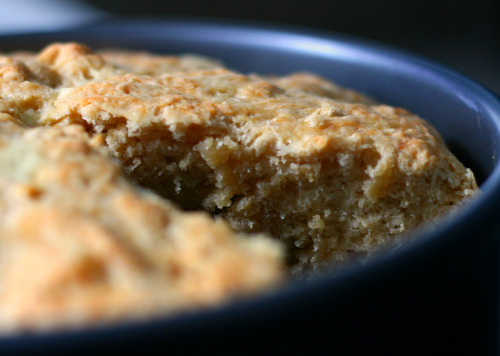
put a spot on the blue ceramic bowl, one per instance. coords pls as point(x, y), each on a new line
point(435, 294)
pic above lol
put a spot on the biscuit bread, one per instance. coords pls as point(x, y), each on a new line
point(321, 168)
point(328, 171)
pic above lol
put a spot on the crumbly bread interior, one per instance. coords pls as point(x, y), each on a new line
point(324, 169)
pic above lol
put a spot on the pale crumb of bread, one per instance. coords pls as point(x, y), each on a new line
point(324, 169)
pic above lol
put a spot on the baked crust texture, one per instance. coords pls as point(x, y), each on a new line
point(326, 170)
point(80, 244)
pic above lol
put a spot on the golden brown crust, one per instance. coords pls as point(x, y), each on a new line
point(80, 244)
point(324, 169)
point(306, 84)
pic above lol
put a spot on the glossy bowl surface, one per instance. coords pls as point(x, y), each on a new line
point(429, 291)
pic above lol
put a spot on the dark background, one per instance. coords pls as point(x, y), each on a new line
point(462, 34)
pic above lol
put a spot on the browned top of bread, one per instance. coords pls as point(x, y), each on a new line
point(267, 116)
point(198, 105)
point(81, 244)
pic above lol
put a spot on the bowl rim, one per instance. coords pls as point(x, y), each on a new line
point(276, 302)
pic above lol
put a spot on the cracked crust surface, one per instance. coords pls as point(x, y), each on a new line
point(328, 171)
